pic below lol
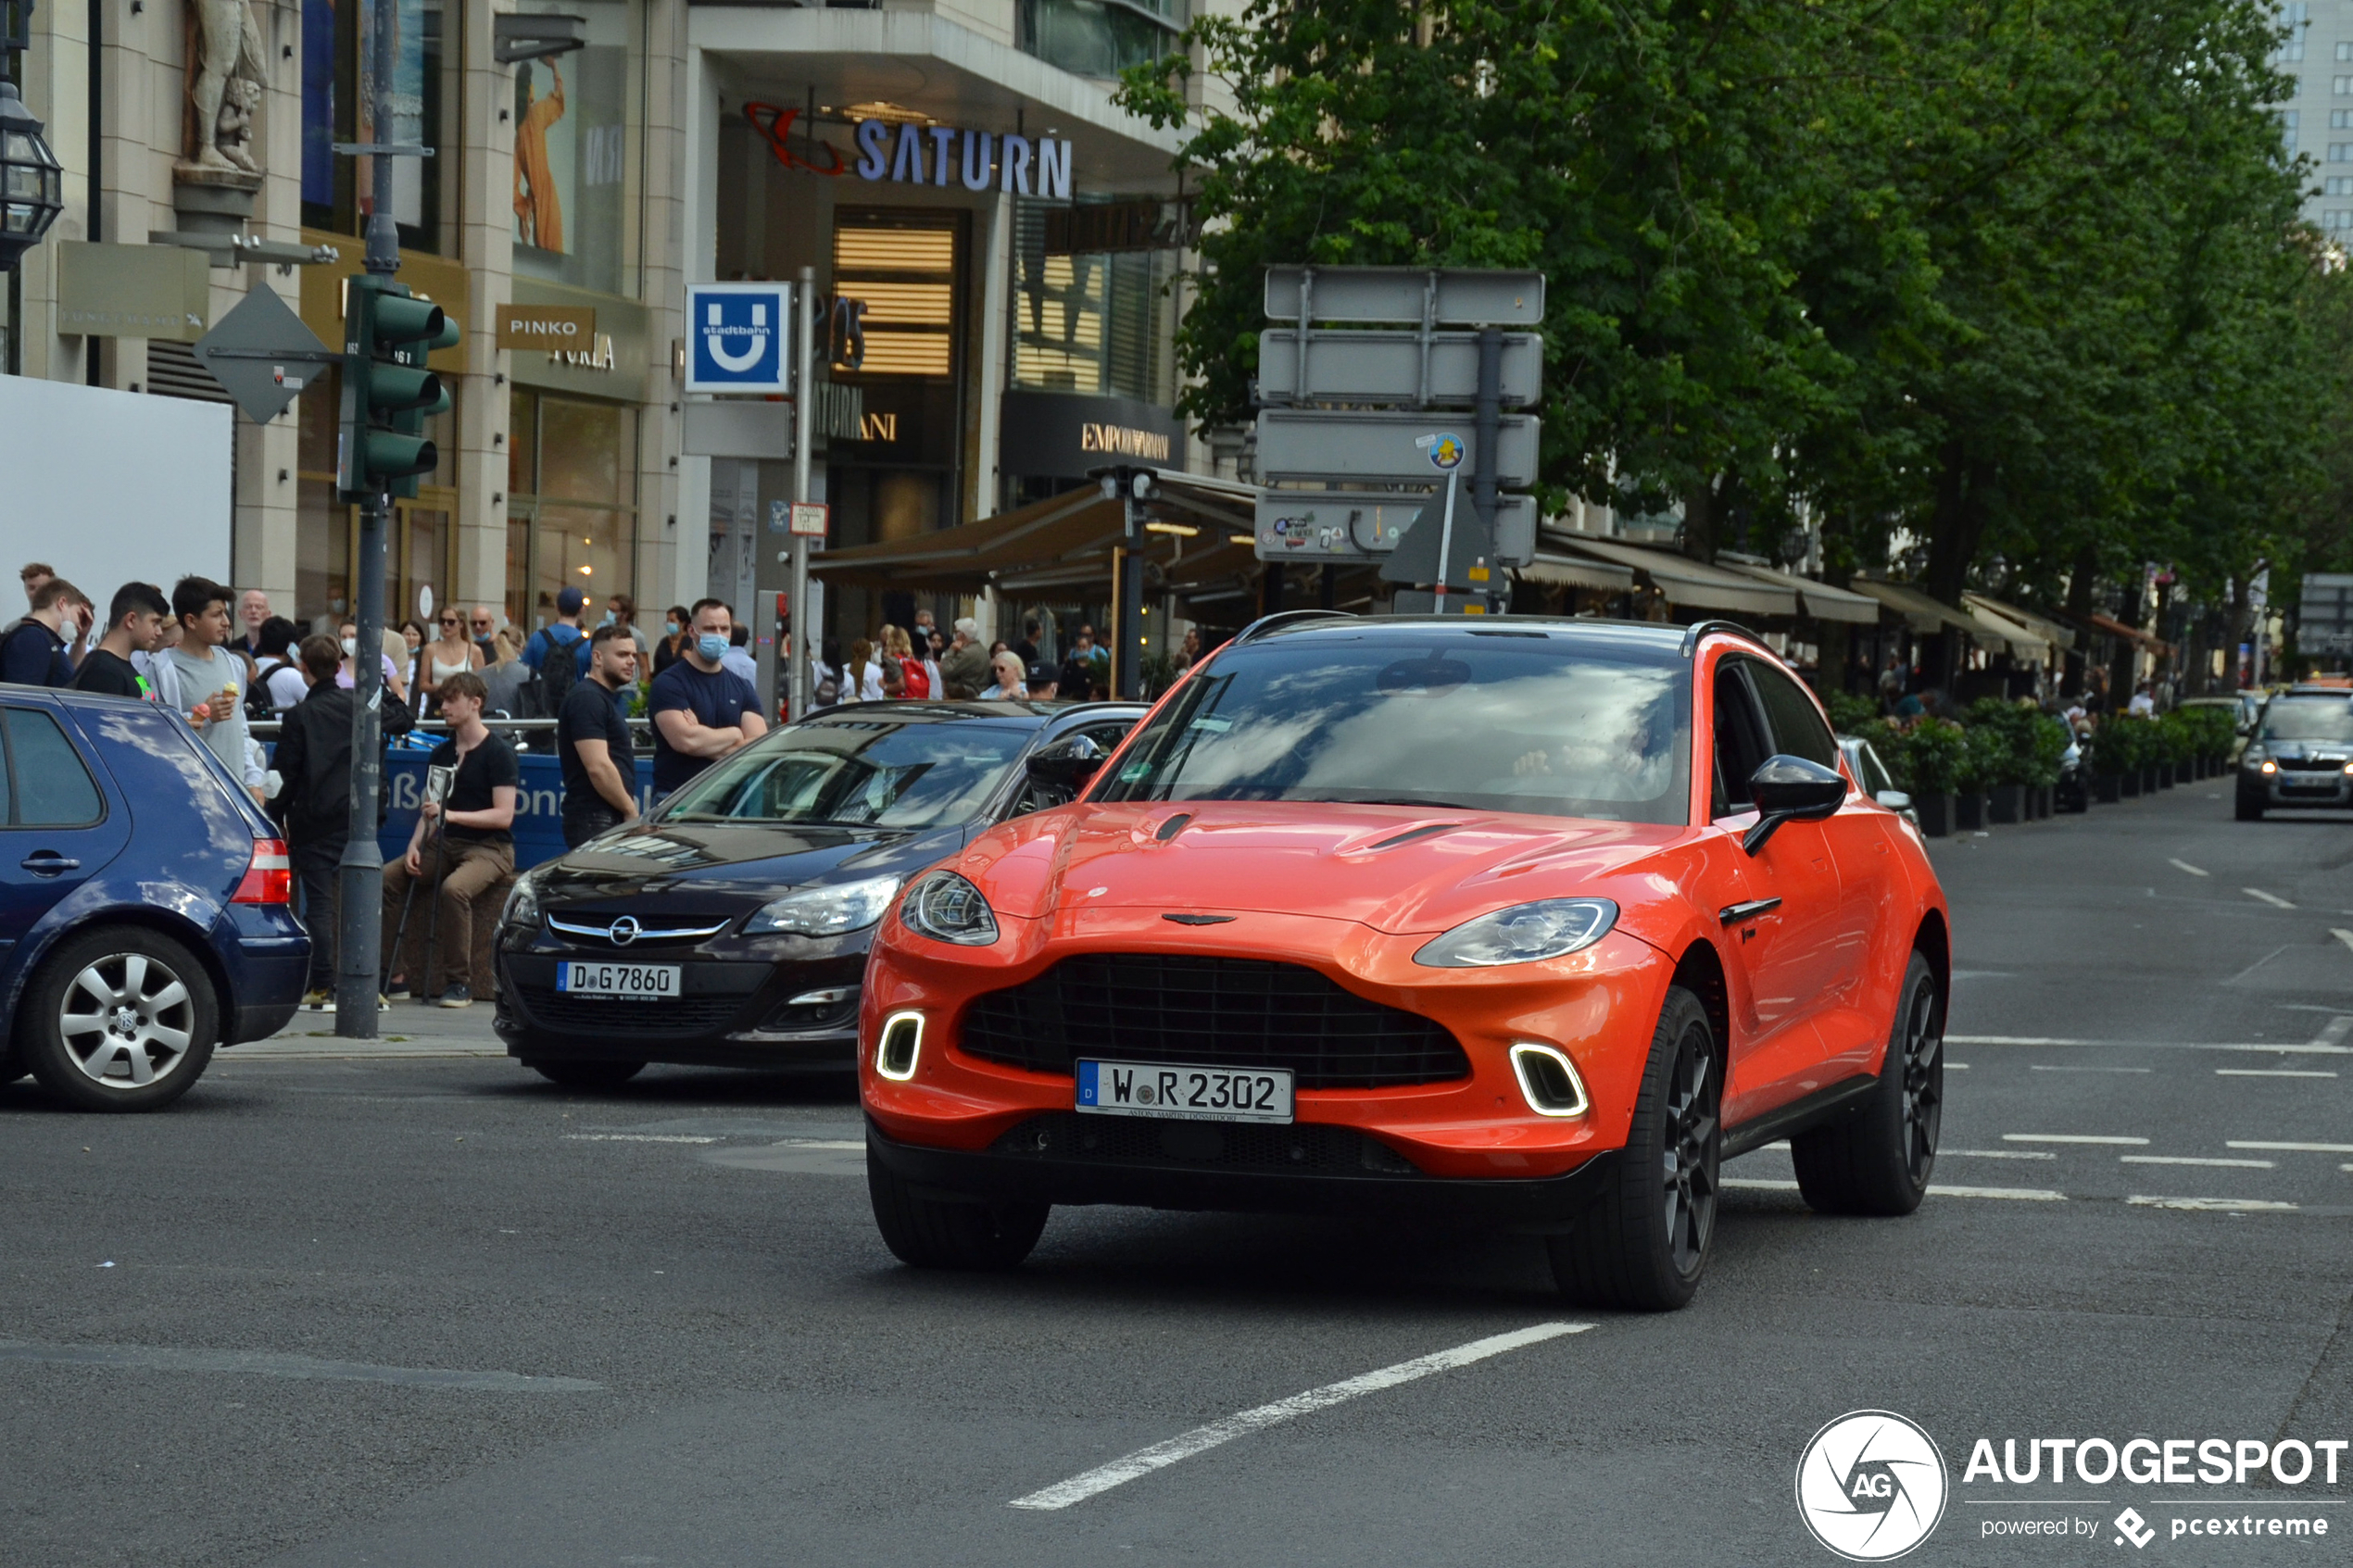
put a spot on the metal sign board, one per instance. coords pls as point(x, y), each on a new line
point(132, 290)
point(737, 430)
point(263, 356)
point(2324, 615)
point(1373, 446)
point(1377, 366)
point(810, 519)
point(1364, 525)
point(1455, 297)
point(738, 337)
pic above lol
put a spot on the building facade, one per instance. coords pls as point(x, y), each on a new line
point(994, 244)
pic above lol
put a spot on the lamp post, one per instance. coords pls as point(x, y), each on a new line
point(31, 181)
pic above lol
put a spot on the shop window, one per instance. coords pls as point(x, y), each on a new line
point(1100, 38)
point(573, 510)
point(903, 269)
point(576, 154)
point(338, 45)
point(1097, 324)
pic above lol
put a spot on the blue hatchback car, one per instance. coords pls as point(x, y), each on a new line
point(144, 917)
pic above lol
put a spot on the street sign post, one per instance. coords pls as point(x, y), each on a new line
point(1475, 298)
point(262, 354)
point(1364, 525)
point(1377, 447)
point(1376, 367)
point(2324, 615)
point(739, 337)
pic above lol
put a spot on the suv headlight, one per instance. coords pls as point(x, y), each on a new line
point(523, 902)
point(1523, 933)
point(946, 907)
point(827, 910)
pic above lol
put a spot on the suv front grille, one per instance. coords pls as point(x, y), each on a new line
point(608, 1016)
point(1210, 1011)
point(1306, 1146)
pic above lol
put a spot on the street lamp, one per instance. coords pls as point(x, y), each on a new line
point(31, 181)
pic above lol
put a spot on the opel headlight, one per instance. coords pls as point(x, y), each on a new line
point(825, 911)
point(946, 907)
point(1523, 933)
point(523, 902)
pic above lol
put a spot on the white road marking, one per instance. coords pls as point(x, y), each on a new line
point(1143, 1462)
point(2002, 1153)
point(2267, 1072)
point(2184, 865)
point(2193, 1159)
point(1756, 1184)
point(2271, 899)
point(2292, 1148)
point(2337, 1028)
point(2040, 1068)
point(1956, 1067)
point(635, 1137)
point(2324, 1046)
point(2215, 1205)
point(2067, 1137)
point(2028, 1194)
point(2014, 1040)
point(2342, 934)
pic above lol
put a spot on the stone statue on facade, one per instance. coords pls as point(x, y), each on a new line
point(226, 70)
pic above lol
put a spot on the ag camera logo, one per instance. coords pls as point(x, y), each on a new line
point(736, 336)
point(1872, 1485)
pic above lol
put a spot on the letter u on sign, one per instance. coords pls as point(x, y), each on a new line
point(739, 337)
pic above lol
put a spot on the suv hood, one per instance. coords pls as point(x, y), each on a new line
point(1396, 869)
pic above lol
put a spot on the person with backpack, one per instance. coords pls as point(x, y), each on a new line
point(554, 676)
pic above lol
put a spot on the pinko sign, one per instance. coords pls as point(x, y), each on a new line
point(909, 154)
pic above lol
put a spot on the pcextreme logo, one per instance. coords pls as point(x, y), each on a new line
point(1872, 1485)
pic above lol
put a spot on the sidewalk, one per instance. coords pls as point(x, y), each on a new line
point(405, 1030)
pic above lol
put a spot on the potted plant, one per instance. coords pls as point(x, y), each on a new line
point(1982, 755)
point(2115, 759)
point(1934, 752)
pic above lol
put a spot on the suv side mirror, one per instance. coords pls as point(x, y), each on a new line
point(1791, 789)
point(1067, 764)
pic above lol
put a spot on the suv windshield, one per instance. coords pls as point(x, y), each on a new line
point(1490, 720)
point(2309, 718)
point(855, 772)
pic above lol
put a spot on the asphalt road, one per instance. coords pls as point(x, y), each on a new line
point(426, 1309)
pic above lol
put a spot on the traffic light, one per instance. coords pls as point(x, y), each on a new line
point(387, 392)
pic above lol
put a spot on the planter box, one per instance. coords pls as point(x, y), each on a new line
point(2046, 801)
point(2108, 788)
point(1969, 812)
point(2165, 775)
point(1936, 813)
point(2006, 804)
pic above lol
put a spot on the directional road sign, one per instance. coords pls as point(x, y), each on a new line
point(1376, 444)
point(1363, 525)
point(2324, 619)
point(1482, 298)
point(1377, 366)
point(263, 356)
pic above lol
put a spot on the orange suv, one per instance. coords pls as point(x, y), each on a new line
point(1521, 922)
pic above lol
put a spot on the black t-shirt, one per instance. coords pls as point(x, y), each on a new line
point(590, 712)
point(716, 697)
point(484, 768)
point(116, 676)
point(31, 655)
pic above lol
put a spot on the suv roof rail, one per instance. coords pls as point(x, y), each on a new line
point(1698, 629)
point(1266, 624)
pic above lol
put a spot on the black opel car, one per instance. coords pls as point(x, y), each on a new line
point(729, 929)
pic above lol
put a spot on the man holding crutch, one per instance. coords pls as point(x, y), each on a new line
point(462, 847)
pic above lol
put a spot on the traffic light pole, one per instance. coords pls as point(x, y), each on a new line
point(801, 626)
point(359, 878)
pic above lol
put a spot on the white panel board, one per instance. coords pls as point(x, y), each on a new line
point(109, 487)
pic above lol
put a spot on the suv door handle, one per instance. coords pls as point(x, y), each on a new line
point(48, 862)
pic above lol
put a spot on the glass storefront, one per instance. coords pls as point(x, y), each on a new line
point(1100, 38)
point(338, 45)
point(907, 268)
point(572, 505)
point(1097, 324)
point(577, 154)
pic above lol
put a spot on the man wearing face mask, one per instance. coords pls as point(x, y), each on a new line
point(701, 710)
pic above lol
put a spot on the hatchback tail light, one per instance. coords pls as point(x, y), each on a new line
point(268, 875)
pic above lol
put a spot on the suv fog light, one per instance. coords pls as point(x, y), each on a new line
point(902, 1042)
point(1548, 1081)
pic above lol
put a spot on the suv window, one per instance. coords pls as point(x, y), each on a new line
point(1797, 726)
point(48, 785)
point(1740, 739)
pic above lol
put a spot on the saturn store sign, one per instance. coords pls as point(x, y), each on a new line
point(910, 154)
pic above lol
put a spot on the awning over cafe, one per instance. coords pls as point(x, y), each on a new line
point(2060, 638)
point(1818, 599)
point(1555, 568)
point(1686, 584)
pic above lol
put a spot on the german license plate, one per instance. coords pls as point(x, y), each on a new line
point(641, 981)
point(1194, 1094)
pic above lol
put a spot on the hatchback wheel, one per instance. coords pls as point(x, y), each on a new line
point(932, 1233)
point(1879, 1159)
point(1644, 1242)
point(589, 1074)
point(119, 1018)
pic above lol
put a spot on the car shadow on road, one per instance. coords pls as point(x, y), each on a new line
point(668, 1087)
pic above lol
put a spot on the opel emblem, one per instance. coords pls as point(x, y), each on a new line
point(624, 931)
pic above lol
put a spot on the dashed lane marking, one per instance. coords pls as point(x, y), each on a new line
point(1143, 1462)
point(2326, 1044)
point(2002, 1153)
point(2184, 865)
point(2215, 1205)
point(2342, 934)
point(636, 1137)
point(2291, 1147)
point(2193, 1159)
point(2029, 1195)
point(2040, 1068)
point(2067, 1137)
point(2271, 899)
point(265, 1364)
point(2269, 1073)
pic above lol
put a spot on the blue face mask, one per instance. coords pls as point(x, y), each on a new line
point(669, 628)
point(609, 620)
point(712, 646)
